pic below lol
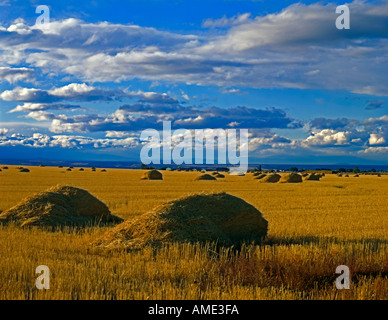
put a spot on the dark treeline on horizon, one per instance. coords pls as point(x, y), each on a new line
point(252, 167)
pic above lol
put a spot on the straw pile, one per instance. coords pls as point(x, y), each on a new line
point(59, 206)
point(272, 178)
point(24, 170)
point(205, 176)
point(313, 177)
point(219, 175)
point(152, 175)
point(291, 178)
point(260, 176)
point(218, 217)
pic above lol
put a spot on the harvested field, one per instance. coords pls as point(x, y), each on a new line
point(305, 242)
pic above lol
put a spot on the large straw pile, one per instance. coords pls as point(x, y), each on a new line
point(291, 178)
point(260, 176)
point(152, 175)
point(217, 217)
point(57, 207)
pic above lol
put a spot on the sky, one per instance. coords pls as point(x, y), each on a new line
point(85, 85)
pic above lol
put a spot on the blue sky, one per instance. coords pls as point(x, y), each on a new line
point(102, 71)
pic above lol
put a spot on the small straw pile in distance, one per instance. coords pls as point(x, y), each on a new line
point(260, 176)
point(152, 175)
point(272, 178)
point(205, 176)
point(291, 178)
point(313, 177)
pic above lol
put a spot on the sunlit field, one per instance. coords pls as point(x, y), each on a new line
point(314, 227)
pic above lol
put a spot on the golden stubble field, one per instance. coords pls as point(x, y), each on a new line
point(313, 228)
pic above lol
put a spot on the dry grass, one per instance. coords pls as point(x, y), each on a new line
point(313, 227)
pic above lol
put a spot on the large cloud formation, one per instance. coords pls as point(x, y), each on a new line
point(142, 116)
point(298, 47)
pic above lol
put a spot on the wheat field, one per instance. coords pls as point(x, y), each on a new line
point(313, 228)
